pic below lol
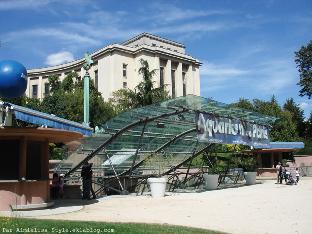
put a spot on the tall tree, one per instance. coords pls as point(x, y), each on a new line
point(303, 59)
point(284, 128)
point(244, 104)
point(66, 101)
point(297, 115)
point(143, 94)
point(308, 130)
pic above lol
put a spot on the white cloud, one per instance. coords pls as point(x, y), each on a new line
point(167, 13)
point(59, 58)
point(213, 70)
point(62, 35)
point(275, 75)
point(23, 4)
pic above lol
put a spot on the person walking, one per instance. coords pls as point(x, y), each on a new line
point(297, 174)
point(55, 186)
point(86, 174)
point(278, 173)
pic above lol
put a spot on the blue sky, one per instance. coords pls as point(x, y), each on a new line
point(246, 47)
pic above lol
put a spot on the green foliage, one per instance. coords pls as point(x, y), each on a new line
point(143, 94)
point(66, 101)
point(297, 115)
point(248, 163)
point(56, 151)
point(303, 59)
point(285, 127)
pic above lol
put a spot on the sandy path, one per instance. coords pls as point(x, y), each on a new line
point(262, 208)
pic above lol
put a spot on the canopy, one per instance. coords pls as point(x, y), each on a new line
point(43, 119)
point(166, 128)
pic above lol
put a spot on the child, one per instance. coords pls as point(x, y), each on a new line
point(297, 175)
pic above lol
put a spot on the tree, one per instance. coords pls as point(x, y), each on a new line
point(66, 101)
point(244, 104)
point(303, 59)
point(308, 130)
point(297, 115)
point(143, 94)
point(284, 128)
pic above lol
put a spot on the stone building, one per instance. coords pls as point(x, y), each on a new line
point(116, 66)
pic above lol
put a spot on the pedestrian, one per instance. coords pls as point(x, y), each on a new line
point(278, 174)
point(287, 173)
point(85, 181)
point(86, 174)
point(55, 186)
point(61, 186)
point(297, 174)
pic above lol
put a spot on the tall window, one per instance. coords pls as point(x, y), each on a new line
point(184, 83)
point(46, 89)
point(161, 77)
point(34, 91)
point(124, 85)
point(124, 70)
point(173, 83)
point(96, 79)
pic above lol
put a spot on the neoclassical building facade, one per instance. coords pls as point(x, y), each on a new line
point(116, 66)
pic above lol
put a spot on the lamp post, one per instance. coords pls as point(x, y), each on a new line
point(86, 89)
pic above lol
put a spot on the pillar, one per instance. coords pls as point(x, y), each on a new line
point(167, 77)
point(156, 78)
point(40, 94)
point(179, 81)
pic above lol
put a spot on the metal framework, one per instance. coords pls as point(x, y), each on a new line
point(124, 150)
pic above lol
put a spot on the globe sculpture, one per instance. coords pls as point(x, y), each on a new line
point(13, 79)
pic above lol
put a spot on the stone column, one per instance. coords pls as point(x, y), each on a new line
point(178, 81)
point(156, 78)
point(167, 77)
point(39, 94)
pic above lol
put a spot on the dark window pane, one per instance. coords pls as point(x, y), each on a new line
point(173, 83)
point(35, 91)
point(161, 77)
point(46, 89)
point(184, 83)
point(96, 79)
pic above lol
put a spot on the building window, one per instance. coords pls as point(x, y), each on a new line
point(154, 44)
point(161, 77)
point(46, 89)
point(124, 85)
point(173, 83)
point(96, 79)
point(124, 70)
point(34, 91)
point(184, 83)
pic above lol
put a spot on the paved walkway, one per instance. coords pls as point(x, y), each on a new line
point(261, 208)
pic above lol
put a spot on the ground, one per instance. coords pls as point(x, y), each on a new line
point(260, 208)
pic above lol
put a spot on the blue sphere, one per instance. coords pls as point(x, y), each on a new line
point(13, 79)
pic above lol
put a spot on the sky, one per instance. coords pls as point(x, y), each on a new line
point(246, 47)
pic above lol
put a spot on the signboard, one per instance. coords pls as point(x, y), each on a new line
point(231, 131)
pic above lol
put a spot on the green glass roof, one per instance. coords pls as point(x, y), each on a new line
point(161, 122)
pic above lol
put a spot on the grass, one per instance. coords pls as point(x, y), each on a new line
point(20, 225)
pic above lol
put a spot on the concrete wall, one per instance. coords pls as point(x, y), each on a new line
point(109, 64)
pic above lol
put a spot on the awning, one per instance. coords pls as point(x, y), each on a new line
point(285, 145)
point(43, 119)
